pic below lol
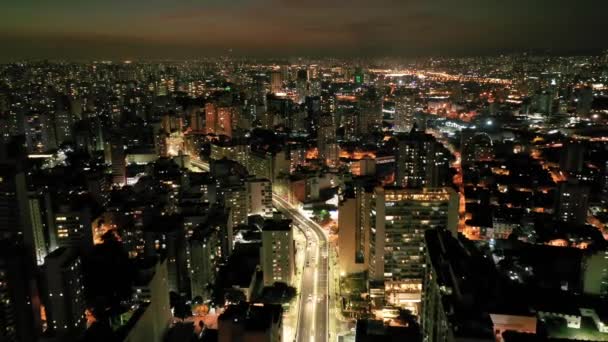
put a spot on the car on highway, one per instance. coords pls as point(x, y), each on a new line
point(309, 298)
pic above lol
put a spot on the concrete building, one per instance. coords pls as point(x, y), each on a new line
point(404, 113)
point(443, 317)
point(205, 253)
point(421, 161)
point(73, 227)
point(259, 192)
point(398, 222)
point(572, 202)
point(354, 212)
point(152, 315)
point(276, 81)
point(220, 120)
point(65, 292)
point(236, 198)
point(19, 320)
point(277, 254)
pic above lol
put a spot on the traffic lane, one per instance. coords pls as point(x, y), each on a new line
point(306, 307)
point(323, 301)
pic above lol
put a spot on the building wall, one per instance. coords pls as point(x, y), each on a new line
point(399, 221)
point(259, 193)
point(277, 256)
point(65, 286)
point(153, 323)
point(353, 233)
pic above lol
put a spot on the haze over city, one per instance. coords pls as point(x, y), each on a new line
point(285, 170)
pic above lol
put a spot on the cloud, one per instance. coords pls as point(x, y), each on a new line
point(356, 27)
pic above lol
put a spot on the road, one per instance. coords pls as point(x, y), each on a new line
point(313, 316)
point(314, 308)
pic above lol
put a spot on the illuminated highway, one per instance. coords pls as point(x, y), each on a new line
point(313, 318)
point(314, 308)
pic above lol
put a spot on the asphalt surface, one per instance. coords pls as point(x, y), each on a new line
point(313, 315)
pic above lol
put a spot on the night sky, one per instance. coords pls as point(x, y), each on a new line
point(188, 28)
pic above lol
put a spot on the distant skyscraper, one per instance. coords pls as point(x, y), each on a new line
point(404, 112)
point(585, 101)
point(210, 118)
point(370, 111)
point(119, 160)
point(302, 85)
point(326, 141)
point(220, 120)
point(276, 81)
point(399, 219)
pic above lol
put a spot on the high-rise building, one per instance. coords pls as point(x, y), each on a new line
point(220, 120)
point(210, 118)
point(276, 81)
point(259, 192)
point(354, 214)
point(20, 225)
point(572, 157)
point(197, 119)
point(277, 253)
point(151, 319)
point(326, 141)
point(236, 199)
point(204, 252)
point(73, 227)
point(302, 85)
point(585, 101)
point(19, 310)
point(65, 292)
point(399, 219)
point(421, 161)
point(572, 202)
point(404, 113)
point(165, 237)
point(118, 159)
point(456, 289)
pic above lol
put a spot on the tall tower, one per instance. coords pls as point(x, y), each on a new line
point(326, 141)
point(119, 160)
point(276, 81)
point(65, 286)
point(22, 239)
point(277, 255)
point(399, 219)
point(404, 112)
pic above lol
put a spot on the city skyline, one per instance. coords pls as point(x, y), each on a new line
point(303, 171)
